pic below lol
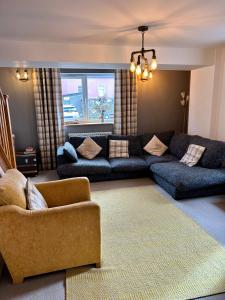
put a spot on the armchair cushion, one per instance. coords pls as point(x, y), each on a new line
point(35, 200)
point(12, 188)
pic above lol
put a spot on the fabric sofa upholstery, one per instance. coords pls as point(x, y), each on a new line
point(152, 159)
point(206, 178)
point(214, 154)
point(131, 164)
point(85, 167)
point(165, 137)
point(102, 141)
point(179, 144)
point(60, 237)
point(135, 148)
point(186, 178)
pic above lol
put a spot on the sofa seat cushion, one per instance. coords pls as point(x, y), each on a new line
point(133, 163)
point(185, 178)
point(85, 167)
point(12, 188)
point(152, 159)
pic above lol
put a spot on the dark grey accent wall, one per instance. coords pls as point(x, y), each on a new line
point(159, 101)
point(22, 110)
point(158, 105)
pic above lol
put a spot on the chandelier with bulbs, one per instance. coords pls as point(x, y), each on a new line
point(142, 67)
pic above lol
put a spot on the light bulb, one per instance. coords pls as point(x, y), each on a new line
point(150, 75)
point(153, 64)
point(18, 74)
point(132, 67)
point(25, 74)
point(138, 70)
point(145, 73)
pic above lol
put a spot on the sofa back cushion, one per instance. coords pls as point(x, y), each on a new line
point(70, 152)
point(102, 141)
point(135, 148)
point(179, 144)
point(214, 153)
point(164, 137)
point(12, 188)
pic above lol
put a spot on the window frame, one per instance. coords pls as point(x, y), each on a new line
point(84, 78)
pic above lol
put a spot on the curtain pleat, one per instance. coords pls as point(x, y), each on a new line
point(125, 107)
point(49, 114)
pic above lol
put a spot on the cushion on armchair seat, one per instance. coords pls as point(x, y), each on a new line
point(85, 167)
point(185, 178)
point(130, 164)
point(152, 159)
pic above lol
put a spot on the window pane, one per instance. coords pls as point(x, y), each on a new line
point(73, 99)
point(100, 89)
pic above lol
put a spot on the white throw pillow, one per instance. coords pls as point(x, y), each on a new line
point(193, 155)
point(1, 172)
point(118, 148)
point(155, 147)
point(89, 149)
point(35, 200)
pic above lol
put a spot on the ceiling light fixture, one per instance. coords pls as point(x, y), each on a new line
point(142, 67)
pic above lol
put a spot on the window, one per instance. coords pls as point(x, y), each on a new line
point(88, 98)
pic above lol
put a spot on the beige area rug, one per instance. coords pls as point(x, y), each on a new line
point(150, 250)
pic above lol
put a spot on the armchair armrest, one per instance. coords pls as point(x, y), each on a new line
point(52, 239)
point(66, 191)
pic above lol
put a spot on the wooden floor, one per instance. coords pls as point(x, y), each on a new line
point(209, 212)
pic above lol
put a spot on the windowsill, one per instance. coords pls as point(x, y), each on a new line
point(88, 124)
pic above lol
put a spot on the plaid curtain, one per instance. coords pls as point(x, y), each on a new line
point(125, 108)
point(49, 114)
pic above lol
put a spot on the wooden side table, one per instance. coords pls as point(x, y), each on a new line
point(27, 163)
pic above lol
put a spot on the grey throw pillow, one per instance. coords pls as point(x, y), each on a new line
point(35, 200)
point(70, 152)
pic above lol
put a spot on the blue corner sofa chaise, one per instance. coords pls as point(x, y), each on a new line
point(179, 180)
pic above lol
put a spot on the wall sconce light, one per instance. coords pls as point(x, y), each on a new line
point(184, 103)
point(24, 77)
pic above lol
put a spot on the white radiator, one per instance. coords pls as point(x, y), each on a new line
point(86, 134)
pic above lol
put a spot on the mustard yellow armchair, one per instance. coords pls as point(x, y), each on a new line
point(65, 235)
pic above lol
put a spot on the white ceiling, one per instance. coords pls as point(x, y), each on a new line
point(175, 23)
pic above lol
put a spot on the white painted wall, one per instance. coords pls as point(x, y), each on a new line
point(207, 99)
point(201, 101)
point(74, 55)
point(218, 108)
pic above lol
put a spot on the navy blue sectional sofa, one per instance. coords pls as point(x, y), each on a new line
point(179, 180)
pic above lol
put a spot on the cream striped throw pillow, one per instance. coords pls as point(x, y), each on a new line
point(193, 155)
point(118, 148)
